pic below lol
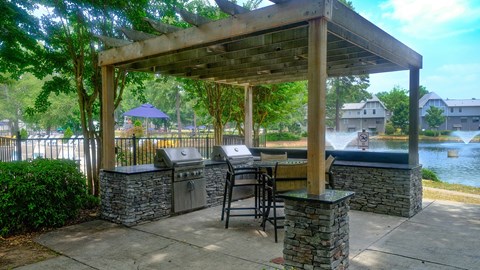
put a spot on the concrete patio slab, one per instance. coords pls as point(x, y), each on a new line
point(444, 233)
point(443, 236)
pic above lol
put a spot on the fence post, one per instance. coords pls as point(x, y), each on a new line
point(134, 140)
point(208, 147)
point(19, 146)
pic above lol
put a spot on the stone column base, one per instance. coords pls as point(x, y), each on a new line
point(316, 230)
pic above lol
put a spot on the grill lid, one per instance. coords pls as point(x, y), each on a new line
point(172, 157)
point(220, 152)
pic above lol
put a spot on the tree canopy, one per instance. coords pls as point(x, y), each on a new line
point(434, 117)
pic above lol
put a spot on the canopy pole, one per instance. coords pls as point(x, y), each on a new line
point(317, 84)
point(248, 127)
point(108, 127)
point(413, 130)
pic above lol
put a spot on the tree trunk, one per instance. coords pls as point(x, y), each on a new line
point(177, 109)
point(337, 109)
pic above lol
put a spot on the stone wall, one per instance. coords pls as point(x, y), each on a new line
point(133, 198)
point(215, 178)
point(382, 190)
point(316, 235)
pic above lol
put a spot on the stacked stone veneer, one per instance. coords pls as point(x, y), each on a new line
point(130, 199)
point(133, 198)
point(215, 178)
point(316, 235)
point(382, 190)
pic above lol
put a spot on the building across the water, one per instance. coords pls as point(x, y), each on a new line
point(460, 114)
point(370, 115)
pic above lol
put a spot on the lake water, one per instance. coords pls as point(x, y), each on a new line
point(465, 169)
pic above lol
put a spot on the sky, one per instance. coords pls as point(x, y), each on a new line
point(445, 32)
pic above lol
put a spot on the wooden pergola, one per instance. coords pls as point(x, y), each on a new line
point(286, 41)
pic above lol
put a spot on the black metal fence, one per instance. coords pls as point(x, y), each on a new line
point(129, 151)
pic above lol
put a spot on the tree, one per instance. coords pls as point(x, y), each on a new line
point(400, 117)
point(397, 102)
point(279, 103)
point(422, 90)
point(218, 100)
point(394, 97)
point(342, 90)
point(69, 50)
point(434, 117)
point(18, 38)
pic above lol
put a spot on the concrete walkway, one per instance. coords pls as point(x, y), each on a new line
point(445, 235)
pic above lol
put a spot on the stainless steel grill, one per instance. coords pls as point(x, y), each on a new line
point(189, 189)
point(237, 154)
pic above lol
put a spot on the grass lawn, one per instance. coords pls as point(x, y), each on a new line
point(452, 187)
point(441, 192)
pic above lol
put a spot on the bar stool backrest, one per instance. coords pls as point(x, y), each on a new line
point(290, 176)
point(273, 157)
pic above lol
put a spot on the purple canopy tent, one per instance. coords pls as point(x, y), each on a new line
point(146, 111)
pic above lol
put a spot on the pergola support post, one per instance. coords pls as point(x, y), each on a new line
point(248, 127)
point(317, 84)
point(108, 120)
point(413, 130)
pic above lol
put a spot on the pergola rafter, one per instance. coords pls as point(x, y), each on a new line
point(287, 41)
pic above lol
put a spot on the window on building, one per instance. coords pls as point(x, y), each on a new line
point(374, 111)
point(364, 111)
point(451, 110)
point(358, 113)
point(377, 122)
point(463, 120)
point(475, 119)
point(460, 109)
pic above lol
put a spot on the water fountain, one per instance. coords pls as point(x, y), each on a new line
point(340, 140)
point(466, 136)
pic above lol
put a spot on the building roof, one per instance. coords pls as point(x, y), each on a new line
point(449, 102)
point(463, 102)
point(353, 106)
point(427, 97)
point(360, 105)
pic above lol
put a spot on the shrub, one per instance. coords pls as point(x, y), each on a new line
point(24, 133)
point(137, 130)
point(429, 175)
point(67, 134)
point(137, 123)
point(430, 133)
point(389, 129)
point(282, 136)
point(445, 132)
point(38, 194)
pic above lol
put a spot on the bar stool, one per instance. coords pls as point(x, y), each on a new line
point(241, 177)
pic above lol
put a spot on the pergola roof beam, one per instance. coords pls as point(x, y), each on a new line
point(162, 27)
point(192, 18)
point(270, 17)
point(230, 8)
point(136, 35)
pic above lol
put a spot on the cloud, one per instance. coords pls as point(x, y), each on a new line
point(433, 19)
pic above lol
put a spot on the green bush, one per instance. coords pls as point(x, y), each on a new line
point(430, 133)
point(137, 123)
point(38, 194)
point(282, 136)
point(389, 129)
point(445, 132)
point(67, 134)
point(24, 133)
point(429, 175)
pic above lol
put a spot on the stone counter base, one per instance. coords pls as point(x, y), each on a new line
point(316, 235)
point(389, 191)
